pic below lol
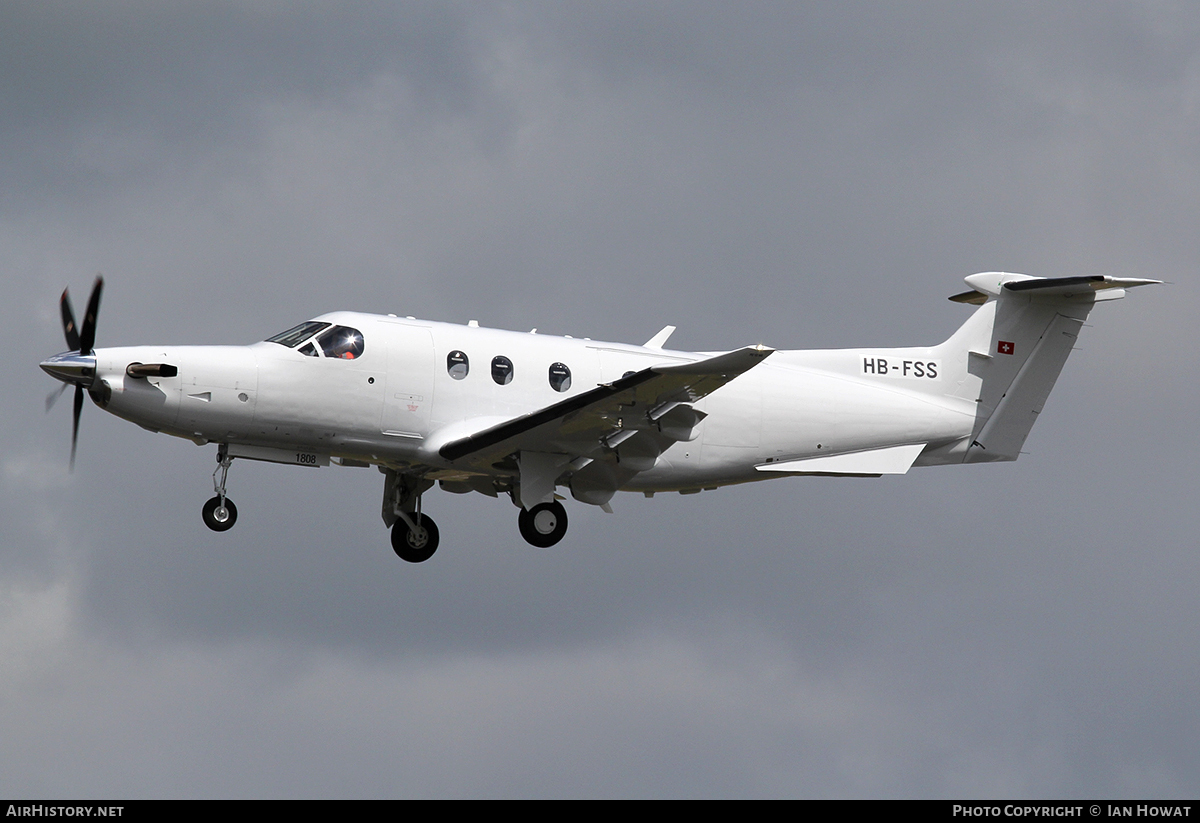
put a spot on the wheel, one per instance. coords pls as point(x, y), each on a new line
point(415, 547)
point(217, 517)
point(544, 524)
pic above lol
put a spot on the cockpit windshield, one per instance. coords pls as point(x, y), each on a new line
point(296, 335)
point(338, 342)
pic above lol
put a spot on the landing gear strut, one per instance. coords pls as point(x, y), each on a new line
point(219, 513)
point(544, 524)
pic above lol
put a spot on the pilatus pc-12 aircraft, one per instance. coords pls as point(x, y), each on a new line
point(521, 414)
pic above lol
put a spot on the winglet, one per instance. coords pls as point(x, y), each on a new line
point(658, 340)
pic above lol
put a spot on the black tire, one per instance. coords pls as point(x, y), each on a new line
point(543, 525)
point(409, 547)
point(217, 523)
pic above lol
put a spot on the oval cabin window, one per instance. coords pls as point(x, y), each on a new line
point(502, 370)
point(560, 377)
point(457, 365)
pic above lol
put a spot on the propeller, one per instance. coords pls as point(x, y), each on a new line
point(79, 365)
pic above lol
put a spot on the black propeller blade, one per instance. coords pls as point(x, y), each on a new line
point(53, 396)
point(68, 321)
point(75, 423)
point(87, 335)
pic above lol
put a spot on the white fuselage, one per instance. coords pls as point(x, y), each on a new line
point(397, 403)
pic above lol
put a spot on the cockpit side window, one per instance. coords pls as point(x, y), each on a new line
point(342, 343)
point(296, 335)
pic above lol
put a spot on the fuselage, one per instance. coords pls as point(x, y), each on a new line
point(530, 416)
point(412, 386)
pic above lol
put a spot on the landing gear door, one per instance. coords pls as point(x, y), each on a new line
point(409, 399)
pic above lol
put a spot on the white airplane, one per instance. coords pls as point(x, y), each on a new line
point(522, 414)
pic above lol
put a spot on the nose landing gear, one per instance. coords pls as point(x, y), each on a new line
point(219, 513)
point(219, 517)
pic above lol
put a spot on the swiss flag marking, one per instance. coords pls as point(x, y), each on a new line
point(1005, 347)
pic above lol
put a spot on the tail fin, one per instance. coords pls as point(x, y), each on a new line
point(1008, 355)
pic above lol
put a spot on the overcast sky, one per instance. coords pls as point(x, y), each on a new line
point(797, 174)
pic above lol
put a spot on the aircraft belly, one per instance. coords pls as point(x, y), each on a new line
point(680, 469)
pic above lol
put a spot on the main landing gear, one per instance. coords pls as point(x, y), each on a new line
point(219, 513)
point(543, 525)
point(414, 534)
point(415, 542)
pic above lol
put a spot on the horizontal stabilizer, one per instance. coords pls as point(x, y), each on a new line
point(994, 283)
point(1076, 285)
point(974, 298)
point(890, 460)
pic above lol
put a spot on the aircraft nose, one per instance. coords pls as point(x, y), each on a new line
point(71, 367)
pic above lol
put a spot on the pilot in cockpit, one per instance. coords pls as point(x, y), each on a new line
point(341, 342)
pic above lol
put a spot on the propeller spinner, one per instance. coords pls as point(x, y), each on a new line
point(77, 366)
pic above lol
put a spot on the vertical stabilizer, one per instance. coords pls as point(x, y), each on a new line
point(1008, 355)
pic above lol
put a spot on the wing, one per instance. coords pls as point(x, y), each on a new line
point(620, 426)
